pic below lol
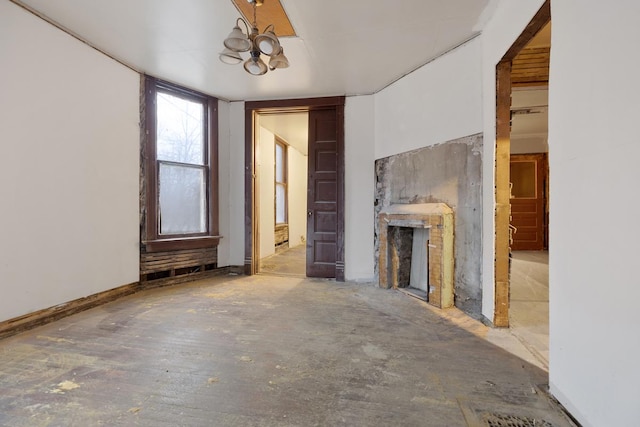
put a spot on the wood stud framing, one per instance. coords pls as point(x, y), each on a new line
point(503, 150)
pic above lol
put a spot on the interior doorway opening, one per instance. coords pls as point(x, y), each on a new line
point(522, 184)
point(272, 217)
point(282, 165)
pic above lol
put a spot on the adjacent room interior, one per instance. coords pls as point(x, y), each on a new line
point(529, 190)
point(282, 147)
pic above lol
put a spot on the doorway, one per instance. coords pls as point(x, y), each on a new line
point(521, 259)
point(529, 179)
point(281, 187)
point(324, 184)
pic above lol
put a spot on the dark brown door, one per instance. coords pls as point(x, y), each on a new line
point(528, 175)
point(322, 198)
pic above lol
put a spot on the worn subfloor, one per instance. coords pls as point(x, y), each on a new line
point(529, 302)
point(289, 262)
point(269, 351)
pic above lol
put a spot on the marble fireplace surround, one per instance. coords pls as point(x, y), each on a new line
point(438, 219)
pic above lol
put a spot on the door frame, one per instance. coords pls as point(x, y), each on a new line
point(502, 164)
point(251, 223)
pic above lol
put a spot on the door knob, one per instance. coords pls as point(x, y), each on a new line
point(309, 213)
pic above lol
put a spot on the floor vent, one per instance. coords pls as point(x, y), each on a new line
point(505, 420)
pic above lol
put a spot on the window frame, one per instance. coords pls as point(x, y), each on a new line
point(284, 183)
point(153, 240)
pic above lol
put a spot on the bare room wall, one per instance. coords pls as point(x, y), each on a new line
point(297, 192)
point(265, 159)
point(224, 186)
point(359, 178)
point(236, 184)
point(439, 102)
point(69, 180)
point(594, 149)
point(419, 114)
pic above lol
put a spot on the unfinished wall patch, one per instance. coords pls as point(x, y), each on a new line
point(449, 173)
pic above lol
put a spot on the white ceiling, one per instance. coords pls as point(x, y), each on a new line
point(343, 47)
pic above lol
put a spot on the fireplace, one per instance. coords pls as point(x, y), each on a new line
point(417, 239)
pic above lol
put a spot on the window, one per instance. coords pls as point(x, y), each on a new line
point(281, 182)
point(180, 168)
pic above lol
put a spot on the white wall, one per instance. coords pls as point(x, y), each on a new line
point(440, 102)
point(297, 196)
point(359, 187)
point(236, 184)
point(69, 178)
point(436, 103)
point(594, 147)
point(502, 30)
point(265, 164)
point(224, 185)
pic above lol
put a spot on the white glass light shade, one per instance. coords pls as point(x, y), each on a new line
point(255, 66)
point(278, 61)
point(230, 57)
point(268, 43)
point(237, 40)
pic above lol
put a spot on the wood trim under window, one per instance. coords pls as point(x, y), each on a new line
point(151, 238)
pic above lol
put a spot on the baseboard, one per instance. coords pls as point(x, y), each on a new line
point(42, 317)
point(28, 321)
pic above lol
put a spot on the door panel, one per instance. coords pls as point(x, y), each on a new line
point(324, 222)
point(528, 175)
point(322, 200)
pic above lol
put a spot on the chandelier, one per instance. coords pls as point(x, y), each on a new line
point(257, 44)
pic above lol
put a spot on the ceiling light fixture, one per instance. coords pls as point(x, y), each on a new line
point(256, 43)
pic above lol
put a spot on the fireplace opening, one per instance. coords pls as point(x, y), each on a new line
point(409, 259)
point(416, 251)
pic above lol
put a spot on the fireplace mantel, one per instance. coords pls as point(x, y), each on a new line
point(438, 218)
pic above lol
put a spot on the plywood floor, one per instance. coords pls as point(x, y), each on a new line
point(266, 351)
